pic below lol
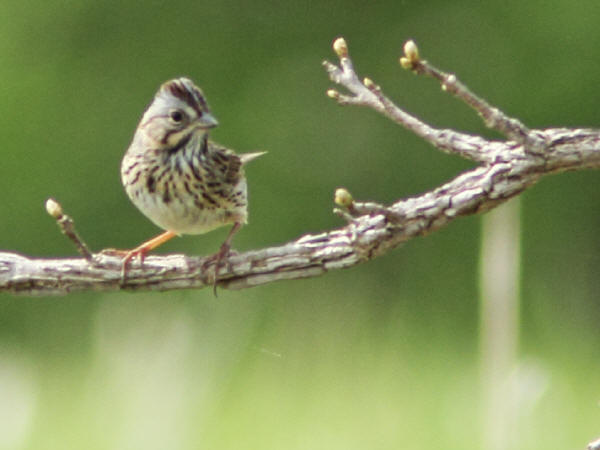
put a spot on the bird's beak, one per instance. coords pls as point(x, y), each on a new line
point(207, 121)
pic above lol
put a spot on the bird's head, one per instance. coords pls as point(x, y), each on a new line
point(178, 111)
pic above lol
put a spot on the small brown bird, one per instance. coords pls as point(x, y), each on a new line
point(180, 180)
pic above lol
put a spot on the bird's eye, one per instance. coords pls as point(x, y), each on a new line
point(176, 116)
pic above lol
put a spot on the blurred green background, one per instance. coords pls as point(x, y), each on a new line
point(381, 356)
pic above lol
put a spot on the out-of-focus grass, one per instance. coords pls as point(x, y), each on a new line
point(183, 372)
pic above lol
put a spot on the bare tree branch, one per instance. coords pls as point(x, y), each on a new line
point(67, 226)
point(506, 168)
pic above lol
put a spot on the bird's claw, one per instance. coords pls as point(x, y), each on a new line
point(212, 277)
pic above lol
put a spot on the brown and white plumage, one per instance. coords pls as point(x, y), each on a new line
point(176, 176)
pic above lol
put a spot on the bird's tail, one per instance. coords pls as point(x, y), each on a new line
point(247, 157)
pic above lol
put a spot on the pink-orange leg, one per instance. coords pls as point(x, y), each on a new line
point(141, 250)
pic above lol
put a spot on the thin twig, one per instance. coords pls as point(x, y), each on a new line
point(367, 93)
point(493, 118)
point(66, 225)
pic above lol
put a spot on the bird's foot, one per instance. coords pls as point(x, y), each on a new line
point(127, 256)
point(217, 259)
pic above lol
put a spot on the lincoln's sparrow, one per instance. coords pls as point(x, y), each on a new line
point(179, 179)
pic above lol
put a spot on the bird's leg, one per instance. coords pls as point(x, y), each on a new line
point(144, 248)
point(223, 252)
